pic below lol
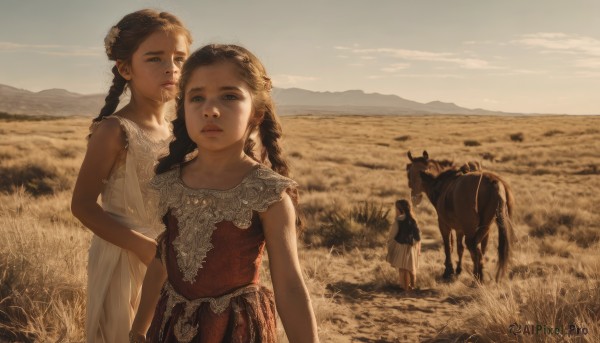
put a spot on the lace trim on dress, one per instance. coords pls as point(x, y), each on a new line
point(130, 177)
point(184, 330)
point(199, 210)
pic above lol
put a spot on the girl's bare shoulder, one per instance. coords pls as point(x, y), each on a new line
point(109, 132)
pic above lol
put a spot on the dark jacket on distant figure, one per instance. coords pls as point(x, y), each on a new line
point(408, 232)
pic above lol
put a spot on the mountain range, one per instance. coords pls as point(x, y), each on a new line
point(289, 101)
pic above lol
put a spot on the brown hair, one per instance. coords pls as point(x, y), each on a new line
point(405, 206)
point(125, 37)
point(253, 73)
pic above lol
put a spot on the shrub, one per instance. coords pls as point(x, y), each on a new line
point(373, 216)
point(488, 156)
point(296, 154)
point(590, 169)
point(373, 165)
point(36, 177)
point(402, 138)
point(363, 226)
point(551, 133)
point(471, 142)
point(26, 117)
point(517, 137)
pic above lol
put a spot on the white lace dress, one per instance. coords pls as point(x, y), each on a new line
point(115, 275)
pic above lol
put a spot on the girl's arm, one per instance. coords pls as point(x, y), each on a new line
point(393, 231)
point(418, 237)
point(104, 147)
point(291, 295)
point(156, 275)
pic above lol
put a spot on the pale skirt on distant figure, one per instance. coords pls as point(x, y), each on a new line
point(403, 256)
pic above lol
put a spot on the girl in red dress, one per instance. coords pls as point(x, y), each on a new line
point(221, 204)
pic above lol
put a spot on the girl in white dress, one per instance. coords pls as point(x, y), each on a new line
point(149, 48)
point(404, 245)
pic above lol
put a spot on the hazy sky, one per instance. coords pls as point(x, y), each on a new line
point(510, 55)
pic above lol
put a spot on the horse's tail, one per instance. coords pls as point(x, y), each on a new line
point(503, 221)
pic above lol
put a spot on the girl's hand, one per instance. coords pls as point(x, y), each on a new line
point(291, 296)
point(155, 277)
point(146, 249)
point(135, 337)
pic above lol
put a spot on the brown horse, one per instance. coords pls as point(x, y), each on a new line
point(467, 200)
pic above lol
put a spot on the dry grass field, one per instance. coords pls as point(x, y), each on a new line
point(351, 169)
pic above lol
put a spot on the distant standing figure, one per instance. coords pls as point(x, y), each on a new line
point(404, 245)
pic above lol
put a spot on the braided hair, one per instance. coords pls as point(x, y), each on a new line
point(122, 41)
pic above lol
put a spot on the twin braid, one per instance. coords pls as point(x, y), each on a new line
point(270, 133)
point(249, 148)
point(180, 146)
point(114, 93)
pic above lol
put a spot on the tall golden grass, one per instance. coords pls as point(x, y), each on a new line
point(351, 169)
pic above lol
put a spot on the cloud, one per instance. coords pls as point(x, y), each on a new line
point(490, 101)
point(585, 50)
point(560, 43)
point(478, 42)
point(588, 74)
point(286, 80)
point(395, 67)
point(593, 63)
point(513, 72)
point(51, 49)
point(433, 76)
point(419, 55)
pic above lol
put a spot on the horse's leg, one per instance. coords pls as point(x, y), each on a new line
point(460, 249)
point(475, 256)
point(446, 236)
point(479, 257)
point(484, 243)
point(477, 252)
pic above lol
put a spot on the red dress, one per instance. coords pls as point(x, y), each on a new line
point(212, 249)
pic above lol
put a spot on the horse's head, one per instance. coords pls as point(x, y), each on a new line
point(413, 170)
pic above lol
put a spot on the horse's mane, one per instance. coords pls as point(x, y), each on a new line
point(449, 174)
point(445, 164)
point(440, 179)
